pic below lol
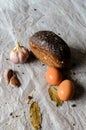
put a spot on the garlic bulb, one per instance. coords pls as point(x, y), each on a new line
point(19, 54)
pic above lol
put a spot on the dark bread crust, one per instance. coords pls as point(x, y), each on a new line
point(53, 45)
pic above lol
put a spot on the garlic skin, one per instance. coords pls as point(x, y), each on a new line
point(19, 54)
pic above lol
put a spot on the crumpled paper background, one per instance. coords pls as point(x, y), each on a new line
point(19, 20)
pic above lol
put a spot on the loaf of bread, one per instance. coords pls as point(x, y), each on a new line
point(50, 49)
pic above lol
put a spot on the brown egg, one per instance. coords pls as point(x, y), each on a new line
point(53, 76)
point(65, 90)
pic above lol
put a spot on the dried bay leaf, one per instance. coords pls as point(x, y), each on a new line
point(54, 96)
point(35, 115)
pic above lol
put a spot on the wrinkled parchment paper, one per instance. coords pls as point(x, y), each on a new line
point(19, 19)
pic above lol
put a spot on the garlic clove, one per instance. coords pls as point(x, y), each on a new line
point(14, 57)
point(14, 81)
point(26, 53)
point(7, 75)
point(23, 55)
point(22, 58)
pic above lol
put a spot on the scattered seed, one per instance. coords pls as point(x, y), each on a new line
point(73, 124)
point(17, 116)
point(11, 114)
point(73, 105)
point(43, 64)
point(35, 9)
